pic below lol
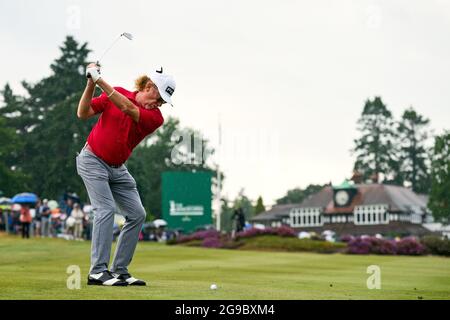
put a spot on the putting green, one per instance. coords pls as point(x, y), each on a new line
point(36, 269)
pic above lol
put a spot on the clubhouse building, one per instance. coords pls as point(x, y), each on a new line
point(356, 209)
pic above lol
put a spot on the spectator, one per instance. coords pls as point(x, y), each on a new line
point(69, 207)
point(87, 224)
point(2, 222)
point(238, 219)
point(25, 220)
point(78, 215)
point(37, 220)
point(44, 212)
point(15, 221)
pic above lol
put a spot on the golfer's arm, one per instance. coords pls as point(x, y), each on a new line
point(85, 110)
point(119, 100)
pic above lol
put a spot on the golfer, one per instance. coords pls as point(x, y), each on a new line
point(126, 119)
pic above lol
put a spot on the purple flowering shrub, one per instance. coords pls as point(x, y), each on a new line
point(372, 245)
point(199, 235)
point(411, 247)
point(347, 238)
point(214, 239)
point(212, 243)
point(282, 231)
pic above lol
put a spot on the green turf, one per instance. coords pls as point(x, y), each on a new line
point(36, 269)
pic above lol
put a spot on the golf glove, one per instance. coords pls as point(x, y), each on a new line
point(94, 73)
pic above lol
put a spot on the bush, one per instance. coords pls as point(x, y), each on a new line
point(411, 247)
point(436, 245)
point(212, 243)
point(199, 235)
point(283, 231)
point(346, 238)
point(276, 243)
point(372, 245)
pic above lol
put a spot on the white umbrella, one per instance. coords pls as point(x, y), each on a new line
point(16, 207)
point(4, 200)
point(52, 204)
point(159, 223)
point(87, 208)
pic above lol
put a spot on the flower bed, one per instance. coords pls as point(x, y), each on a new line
point(280, 231)
point(372, 245)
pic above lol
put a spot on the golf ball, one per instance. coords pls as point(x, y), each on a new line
point(213, 286)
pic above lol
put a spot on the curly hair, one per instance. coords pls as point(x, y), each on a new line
point(141, 82)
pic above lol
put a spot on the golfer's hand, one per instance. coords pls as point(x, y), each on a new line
point(93, 72)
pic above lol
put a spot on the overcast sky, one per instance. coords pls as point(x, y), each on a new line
point(288, 79)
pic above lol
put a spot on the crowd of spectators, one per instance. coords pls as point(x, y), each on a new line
point(68, 220)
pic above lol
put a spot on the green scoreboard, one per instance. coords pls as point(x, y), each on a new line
point(186, 199)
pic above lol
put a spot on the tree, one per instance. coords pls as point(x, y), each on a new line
point(226, 215)
point(45, 121)
point(439, 202)
point(375, 148)
point(297, 195)
point(243, 202)
point(11, 179)
point(156, 154)
point(413, 154)
point(259, 206)
point(55, 147)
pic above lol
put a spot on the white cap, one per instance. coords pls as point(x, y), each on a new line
point(165, 83)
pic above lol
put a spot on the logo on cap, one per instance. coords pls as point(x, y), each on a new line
point(170, 90)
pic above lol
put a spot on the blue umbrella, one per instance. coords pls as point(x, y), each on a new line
point(25, 198)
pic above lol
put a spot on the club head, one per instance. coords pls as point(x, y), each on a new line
point(127, 35)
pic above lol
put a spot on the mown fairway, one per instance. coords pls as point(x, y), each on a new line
point(36, 269)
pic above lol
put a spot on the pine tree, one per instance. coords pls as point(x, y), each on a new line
point(439, 202)
point(12, 180)
point(45, 122)
point(259, 206)
point(375, 148)
point(413, 153)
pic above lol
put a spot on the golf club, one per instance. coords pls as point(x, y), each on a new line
point(127, 35)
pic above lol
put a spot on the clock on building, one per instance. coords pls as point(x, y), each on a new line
point(341, 197)
point(343, 194)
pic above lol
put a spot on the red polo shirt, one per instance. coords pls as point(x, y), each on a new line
point(115, 134)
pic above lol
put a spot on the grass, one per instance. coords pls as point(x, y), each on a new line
point(36, 269)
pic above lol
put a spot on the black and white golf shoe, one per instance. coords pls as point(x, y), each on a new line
point(105, 278)
point(131, 281)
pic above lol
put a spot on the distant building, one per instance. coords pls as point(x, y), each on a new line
point(355, 209)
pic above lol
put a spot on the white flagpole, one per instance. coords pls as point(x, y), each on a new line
point(219, 180)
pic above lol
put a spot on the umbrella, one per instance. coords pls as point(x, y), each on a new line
point(52, 204)
point(16, 207)
point(4, 200)
point(159, 223)
point(87, 208)
point(28, 198)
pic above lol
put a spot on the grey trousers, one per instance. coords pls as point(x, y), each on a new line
point(107, 186)
point(45, 224)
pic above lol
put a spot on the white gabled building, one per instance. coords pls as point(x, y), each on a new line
point(355, 209)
